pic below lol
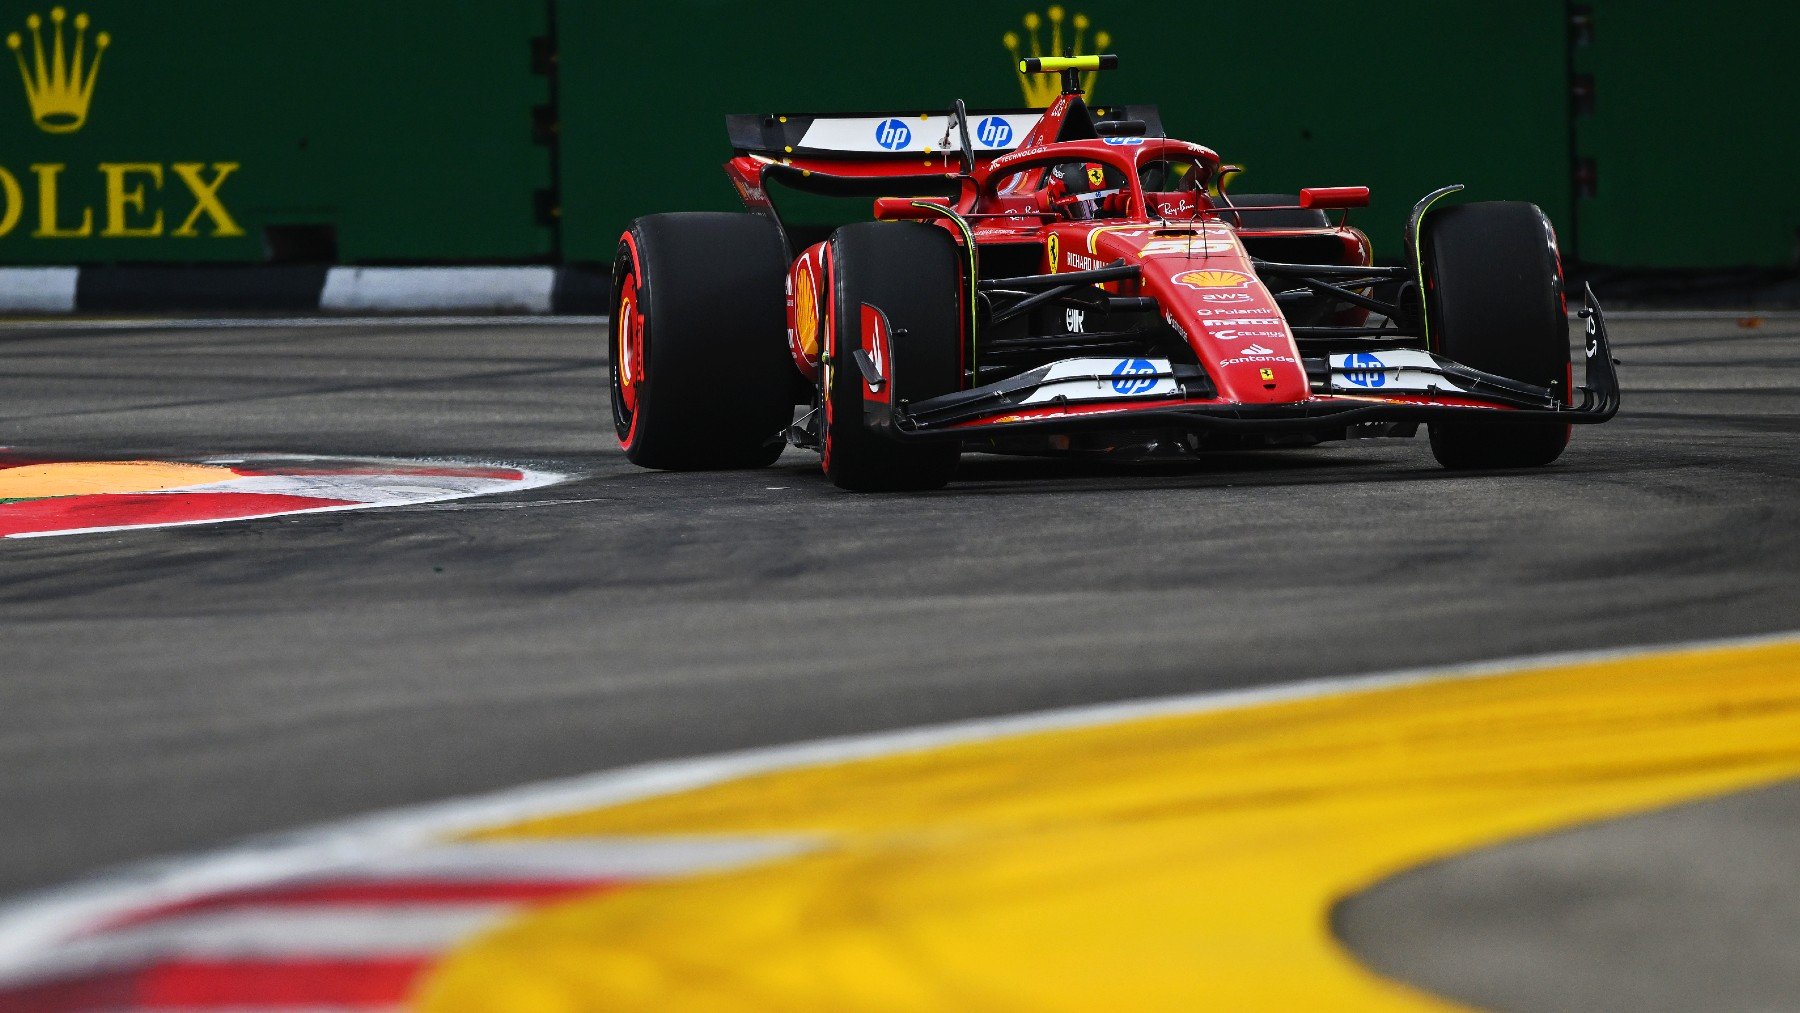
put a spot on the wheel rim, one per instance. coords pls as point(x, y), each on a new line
point(628, 357)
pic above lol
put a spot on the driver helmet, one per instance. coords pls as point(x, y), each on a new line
point(1072, 178)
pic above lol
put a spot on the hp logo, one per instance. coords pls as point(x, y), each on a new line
point(993, 132)
point(1133, 376)
point(892, 134)
point(1365, 370)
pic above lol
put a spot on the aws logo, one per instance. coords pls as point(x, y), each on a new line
point(59, 69)
point(1041, 89)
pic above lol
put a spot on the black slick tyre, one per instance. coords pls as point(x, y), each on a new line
point(1494, 299)
point(912, 272)
point(701, 376)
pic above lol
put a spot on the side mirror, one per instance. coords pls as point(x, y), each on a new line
point(889, 209)
point(1121, 128)
point(1328, 197)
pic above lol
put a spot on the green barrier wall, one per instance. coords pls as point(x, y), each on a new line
point(1692, 135)
point(1404, 97)
point(419, 130)
point(404, 124)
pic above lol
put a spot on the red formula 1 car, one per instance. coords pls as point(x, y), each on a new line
point(1071, 282)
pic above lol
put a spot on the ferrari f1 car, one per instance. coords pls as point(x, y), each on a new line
point(1074, 282)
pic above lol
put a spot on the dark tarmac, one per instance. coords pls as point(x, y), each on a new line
point(171, 690)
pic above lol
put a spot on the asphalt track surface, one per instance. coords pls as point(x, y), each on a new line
point(178, 689)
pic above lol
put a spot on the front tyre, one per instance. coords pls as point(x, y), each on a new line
point(911, 271)
point(701, 376)
point(1494, 301)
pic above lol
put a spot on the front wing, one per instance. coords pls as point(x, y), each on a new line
point(1399, 385)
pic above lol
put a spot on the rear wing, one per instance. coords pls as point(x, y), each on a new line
point(893, 135)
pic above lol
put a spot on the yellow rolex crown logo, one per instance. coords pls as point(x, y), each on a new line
point(1041, 89)
point(59, 85)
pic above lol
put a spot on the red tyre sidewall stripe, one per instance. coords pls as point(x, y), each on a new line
point(636, 283)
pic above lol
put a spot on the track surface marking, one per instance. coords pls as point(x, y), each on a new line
point(1175, 863)
point(39, 499)
point(1166, 854)
point(174, 691)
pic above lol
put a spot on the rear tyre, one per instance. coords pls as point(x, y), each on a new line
point(701, 376)
point(911, 271)
point(1494, 299)
point(1289, 218)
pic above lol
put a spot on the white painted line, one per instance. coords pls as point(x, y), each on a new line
point(473, 289)
point(578, 859)
point(36, 925)
point(403, 491)
point(38, 289)
point(399, 489)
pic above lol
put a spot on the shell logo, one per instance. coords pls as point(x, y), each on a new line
point(1213, 278)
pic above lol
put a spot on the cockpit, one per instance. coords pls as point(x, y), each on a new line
point(1078, 189)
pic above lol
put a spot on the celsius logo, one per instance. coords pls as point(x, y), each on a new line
point(1365, 370)
point(892, 134)
point(1135, 376)
point(993, 132)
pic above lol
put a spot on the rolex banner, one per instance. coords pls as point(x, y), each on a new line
point(531, 131)
point(227, 131)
